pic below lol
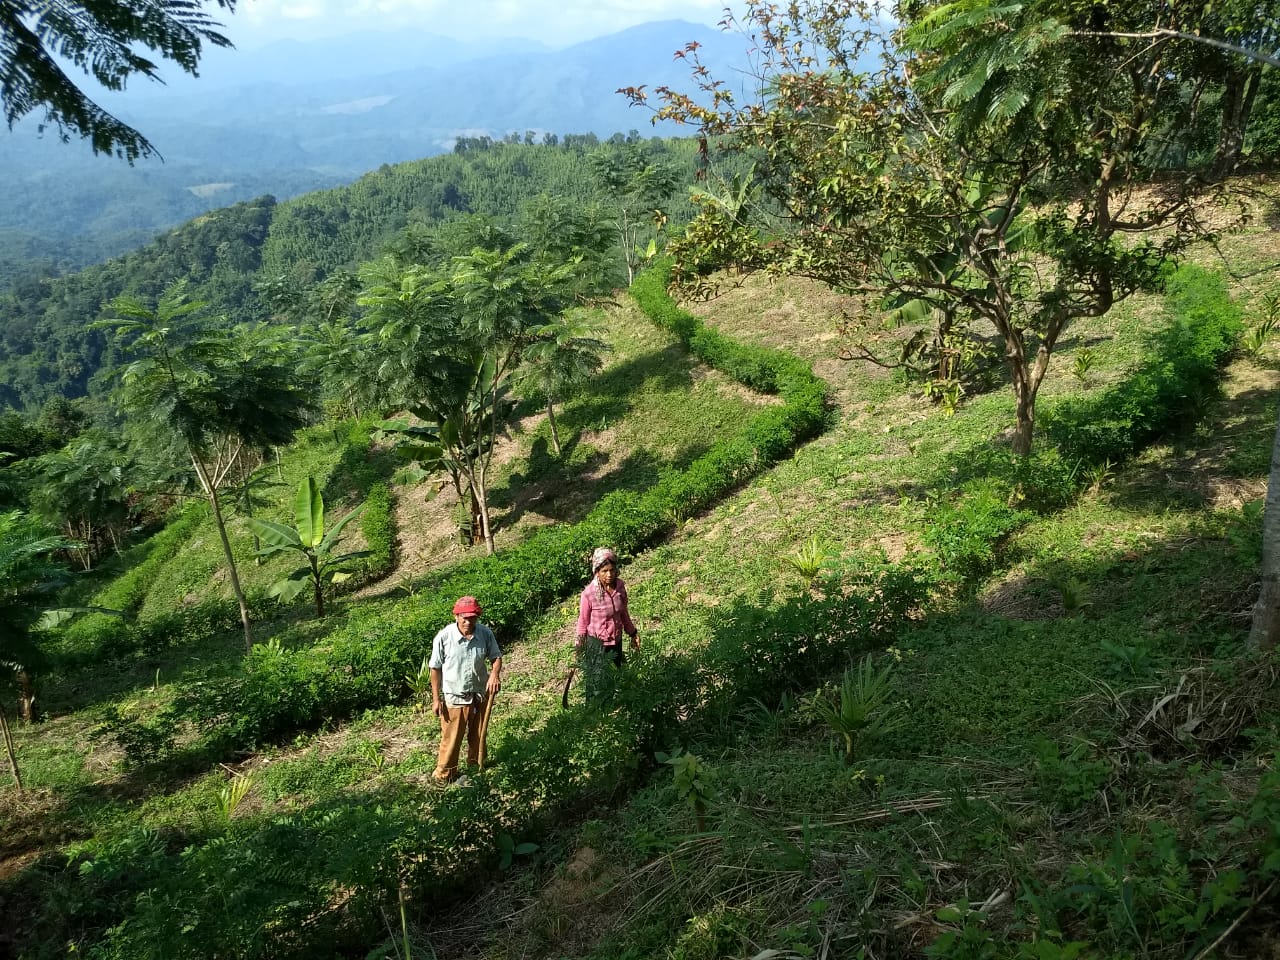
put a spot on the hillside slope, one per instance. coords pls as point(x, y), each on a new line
point(1021, 802)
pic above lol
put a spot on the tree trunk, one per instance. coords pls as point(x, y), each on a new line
point(1024, 384)
point(319, 585)
point(26, 697)
point(226, 549)
point(551, 418)
point(1266, 612)
point(483, 505)
point(1239, 92)
point(476, 534)
point(625, 234)
point(1025, 427)
point(9, 748)
point(247, 493)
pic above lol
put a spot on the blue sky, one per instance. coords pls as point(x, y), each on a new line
point(553, 22)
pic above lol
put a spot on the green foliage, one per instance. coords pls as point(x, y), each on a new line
point(309, 539)
point(1072, 779)
point(378, 527)
point(563, 355)
point(233, 794)
point(1256, 338)
point(107, 44)
point(1160, 395)
point(863, 710)
point(1075, 594)
point(809, 560)
point(695, 783)
point(28, 576)
point(419, 684)
point(508, 850)
point(1129, 661)
point(968, 532)
point(1082, 364)
point(142, 739)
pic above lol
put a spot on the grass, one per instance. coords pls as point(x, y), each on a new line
point(1015, 785)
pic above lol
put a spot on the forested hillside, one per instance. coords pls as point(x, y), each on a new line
point(227, 256)
point(311, 115)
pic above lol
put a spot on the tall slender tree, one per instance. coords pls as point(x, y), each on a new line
point(213, 392)
point(503, 296)
point(561, 356)
point(27, 575)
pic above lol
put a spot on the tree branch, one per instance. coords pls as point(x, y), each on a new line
point(1166, 33)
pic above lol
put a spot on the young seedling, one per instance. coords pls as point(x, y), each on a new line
point(863, 711)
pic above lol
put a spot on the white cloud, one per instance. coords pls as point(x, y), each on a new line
point(553, 22)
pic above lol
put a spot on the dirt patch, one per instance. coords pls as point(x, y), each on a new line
point(11, 866)
point(1019, 597)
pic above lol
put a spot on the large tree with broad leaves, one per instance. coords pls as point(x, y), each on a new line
point(1040, 145)
point(217, 394)
point(111, 41)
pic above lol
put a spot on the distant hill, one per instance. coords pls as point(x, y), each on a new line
point(48, 346)
point(295, 117)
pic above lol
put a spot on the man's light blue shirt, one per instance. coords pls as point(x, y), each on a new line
point(460, 661)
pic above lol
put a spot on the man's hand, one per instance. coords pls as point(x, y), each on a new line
point(493, 686)
point(439, 709)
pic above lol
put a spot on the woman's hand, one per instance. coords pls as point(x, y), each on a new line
point(635, 641)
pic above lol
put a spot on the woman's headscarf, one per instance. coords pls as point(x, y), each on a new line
point(599, 557)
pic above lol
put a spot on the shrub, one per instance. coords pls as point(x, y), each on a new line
point(968, 532)
point(379, 530)
point(1180, 375)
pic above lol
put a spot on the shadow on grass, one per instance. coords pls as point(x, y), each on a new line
point(281, 868)
point(176, 649)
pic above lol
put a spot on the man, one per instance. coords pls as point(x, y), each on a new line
point(459, 686)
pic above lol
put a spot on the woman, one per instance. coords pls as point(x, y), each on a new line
point(603, 618)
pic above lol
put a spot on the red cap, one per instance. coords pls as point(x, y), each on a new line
point(467, 607)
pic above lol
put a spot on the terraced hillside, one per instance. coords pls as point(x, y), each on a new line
point(1069, 754)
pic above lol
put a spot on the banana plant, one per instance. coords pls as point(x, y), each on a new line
point(309, 539)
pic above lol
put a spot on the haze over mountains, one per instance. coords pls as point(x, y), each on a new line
point(297, 116)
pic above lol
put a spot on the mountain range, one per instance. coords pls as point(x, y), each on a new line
point(296, 116)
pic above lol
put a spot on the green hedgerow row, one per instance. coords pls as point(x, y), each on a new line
point(998, 493)
point(363, 664)
point(1162, 392)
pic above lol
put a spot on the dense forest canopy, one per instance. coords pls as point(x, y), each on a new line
point(226, 255)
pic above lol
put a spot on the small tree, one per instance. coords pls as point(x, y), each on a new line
point(448, 344)
point(214, 392)
point(308, 539)
point(84, 488)
point(976, 119)
point(561, 356)
point(639, 188)
point(27, 576)
point(503, 296)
